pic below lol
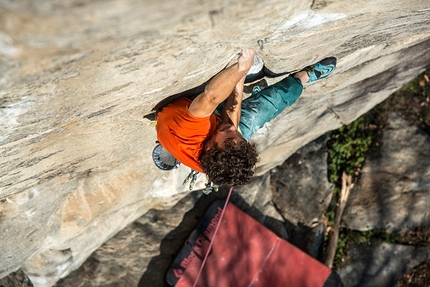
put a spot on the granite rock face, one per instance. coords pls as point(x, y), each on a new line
point(393, 191)
point(77, 78)
point(16, 279)
point(302, 192)
point(381, 263)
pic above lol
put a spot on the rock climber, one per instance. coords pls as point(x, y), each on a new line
point(218, 145)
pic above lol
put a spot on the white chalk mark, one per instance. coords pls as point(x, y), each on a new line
point(152, 91)
point(7, 47)
point(310, 19)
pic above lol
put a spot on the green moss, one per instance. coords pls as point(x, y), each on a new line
point(412, 86)
point(347, 148)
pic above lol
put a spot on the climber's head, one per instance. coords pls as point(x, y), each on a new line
point(228, 159)
point(224, 131)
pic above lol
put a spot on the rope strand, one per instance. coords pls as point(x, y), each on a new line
point(213, 238)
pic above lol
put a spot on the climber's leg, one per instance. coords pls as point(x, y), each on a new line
point(265, 105)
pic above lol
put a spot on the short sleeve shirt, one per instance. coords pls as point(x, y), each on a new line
point(183, 134)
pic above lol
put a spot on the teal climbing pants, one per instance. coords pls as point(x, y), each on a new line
point(265, 105)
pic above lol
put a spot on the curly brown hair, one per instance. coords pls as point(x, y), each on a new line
point(232, 164)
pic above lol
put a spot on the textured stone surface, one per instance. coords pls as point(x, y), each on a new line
point(381, 263)
point(393, 191)
point(77, 77)
point(301, 189)
point(16, 279)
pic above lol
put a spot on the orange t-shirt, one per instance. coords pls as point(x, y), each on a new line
point(183, 134)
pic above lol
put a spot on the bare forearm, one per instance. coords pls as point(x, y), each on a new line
point(223, 84)
point(233, 106)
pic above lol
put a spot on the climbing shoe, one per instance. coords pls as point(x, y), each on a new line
point(321, 69)
point(255, 87)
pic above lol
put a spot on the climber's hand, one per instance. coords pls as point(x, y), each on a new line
point(246, 59)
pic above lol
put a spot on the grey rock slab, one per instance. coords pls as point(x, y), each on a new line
point(381, 264)
point(301, 191)
point(393, 190)
point(16, 279)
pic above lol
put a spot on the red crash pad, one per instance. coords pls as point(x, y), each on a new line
point(244, 253)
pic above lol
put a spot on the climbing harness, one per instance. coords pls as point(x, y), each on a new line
point(213, 238)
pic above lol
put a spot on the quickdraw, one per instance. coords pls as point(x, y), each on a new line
point(192, 178)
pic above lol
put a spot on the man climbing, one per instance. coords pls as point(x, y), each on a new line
point(218, 145)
